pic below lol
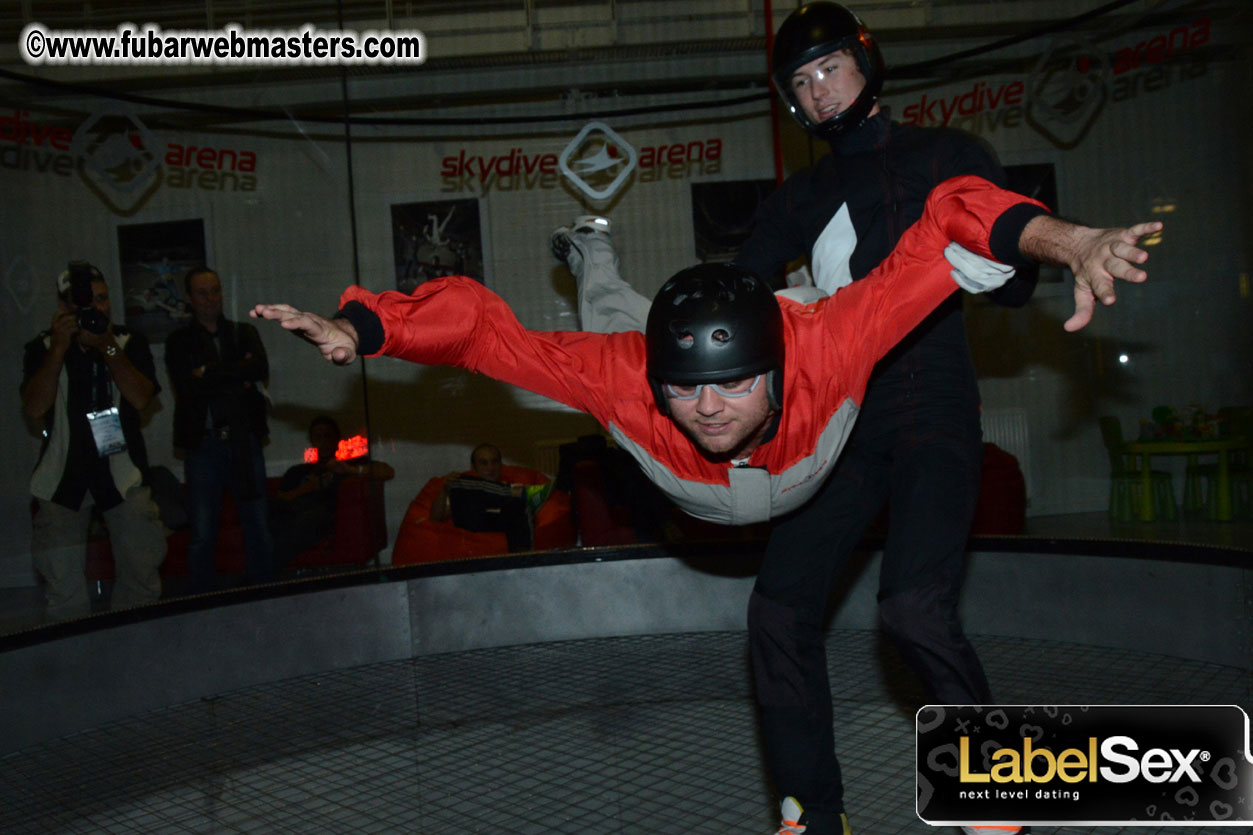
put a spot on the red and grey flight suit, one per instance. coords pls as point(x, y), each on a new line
point(831, 348)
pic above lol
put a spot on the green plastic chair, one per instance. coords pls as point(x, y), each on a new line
point(1124, 478)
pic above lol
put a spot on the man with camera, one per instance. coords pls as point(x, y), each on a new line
point(217, 368)
point(88, 380)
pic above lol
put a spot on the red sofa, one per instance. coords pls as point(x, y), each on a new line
point(360, 533)
point(422, 540)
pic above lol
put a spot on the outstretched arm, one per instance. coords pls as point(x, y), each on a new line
point(865, 319)
point(1096, 256)
point(878, 311)
point(458, 322)
point(335, 338)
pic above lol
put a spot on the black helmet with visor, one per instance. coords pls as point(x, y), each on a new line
point(812, 32)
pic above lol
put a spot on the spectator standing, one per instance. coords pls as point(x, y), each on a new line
point(217, 369)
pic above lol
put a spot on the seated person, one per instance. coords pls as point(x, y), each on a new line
point(302, 512)
point(482, 501)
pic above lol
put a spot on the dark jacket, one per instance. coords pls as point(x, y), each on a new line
point(226, 396)
point(883, 172)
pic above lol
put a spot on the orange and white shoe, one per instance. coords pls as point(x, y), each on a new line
point(796, 821)
point(993, 830)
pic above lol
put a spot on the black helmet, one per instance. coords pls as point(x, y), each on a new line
point(815, 30)
point(712, 323)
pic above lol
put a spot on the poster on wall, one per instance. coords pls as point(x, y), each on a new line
point(436, 238)
point(723, 213)
point(154, 258)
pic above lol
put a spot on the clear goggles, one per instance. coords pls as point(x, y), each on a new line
point(731, 388)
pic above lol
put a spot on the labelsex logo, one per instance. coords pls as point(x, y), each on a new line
point(1040, 765)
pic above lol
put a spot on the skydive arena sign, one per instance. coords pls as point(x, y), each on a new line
point(1095, 765)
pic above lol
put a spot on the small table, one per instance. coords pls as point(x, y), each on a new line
point(1221, 446)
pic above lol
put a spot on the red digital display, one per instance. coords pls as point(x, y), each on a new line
point(355, 447)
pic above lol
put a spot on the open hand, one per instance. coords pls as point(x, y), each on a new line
point(335, 338)
point(1101, 256)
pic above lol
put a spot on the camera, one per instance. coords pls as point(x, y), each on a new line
point(80, 276)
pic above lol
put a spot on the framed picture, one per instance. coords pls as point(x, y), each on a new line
point(436, 238)
point(154, 257)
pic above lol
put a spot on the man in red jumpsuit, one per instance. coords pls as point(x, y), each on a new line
point(734, 403)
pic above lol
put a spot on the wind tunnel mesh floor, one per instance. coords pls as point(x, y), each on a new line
point(624, 735)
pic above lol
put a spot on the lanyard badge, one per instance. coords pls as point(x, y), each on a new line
point(106, 429)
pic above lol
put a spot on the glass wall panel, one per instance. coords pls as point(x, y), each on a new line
point(295, 182)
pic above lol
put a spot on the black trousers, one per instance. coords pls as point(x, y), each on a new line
point(928, 465)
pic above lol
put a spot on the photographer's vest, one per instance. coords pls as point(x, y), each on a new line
point(54, 464)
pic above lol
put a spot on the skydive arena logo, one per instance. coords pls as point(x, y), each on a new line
point(1091, 765)
point(1067, 91)
point(117, 160)
point(598, 161)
